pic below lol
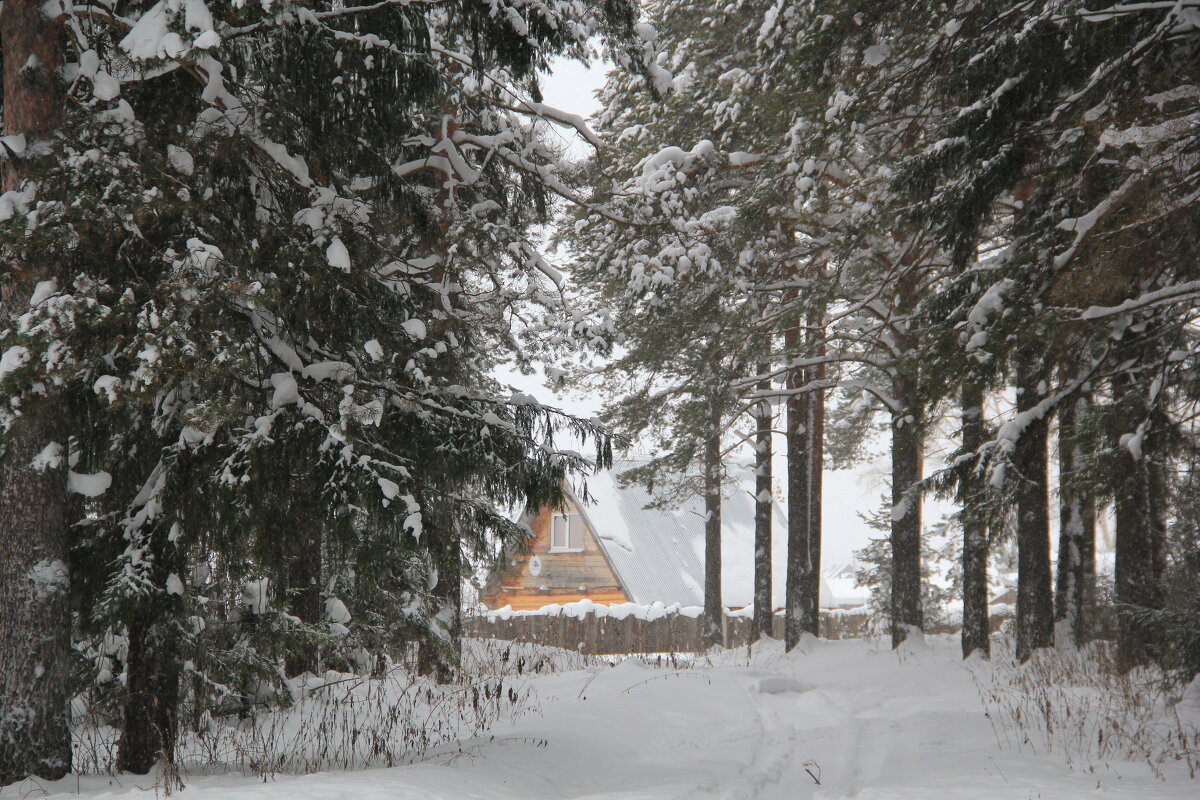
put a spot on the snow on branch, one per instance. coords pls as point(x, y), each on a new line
point(1178, 293)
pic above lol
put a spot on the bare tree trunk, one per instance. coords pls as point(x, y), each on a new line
point(35, 620)
point(763, 516)
point(799, 462)
point(907, 613)
point(800, 616)
point(976, 630)
point(1077, 536)
point(1035, 602)
point(815, 433)
point(714, 609)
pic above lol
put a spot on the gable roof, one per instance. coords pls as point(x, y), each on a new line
point(658, 554)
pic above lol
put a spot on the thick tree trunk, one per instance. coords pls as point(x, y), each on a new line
point(714, 608)
point(35, 620)
point(1077, 536)
point(975, 630)
point(34, 95)
point(152, 694)
point(1035, 602)
point(763, 516)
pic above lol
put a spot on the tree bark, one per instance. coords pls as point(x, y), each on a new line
point(1035, 603)
point(799, 462)
point(815, 435)
point(976, 629)
point(35, 619)
point(763, 516)
point(799, 615)
point(34, 95)
point(714, 608)
point(1077, 536)
point(908, 616)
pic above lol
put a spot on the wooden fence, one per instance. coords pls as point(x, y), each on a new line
point(671, 633)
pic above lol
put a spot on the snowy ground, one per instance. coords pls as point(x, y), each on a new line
point(866, 722)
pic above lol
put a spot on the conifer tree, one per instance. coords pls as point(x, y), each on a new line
point(287, 239)
point(34, 620)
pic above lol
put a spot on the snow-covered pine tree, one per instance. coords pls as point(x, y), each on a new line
point(840, 74)
point(1015, 162)
point(290, 236)
point(662, 249)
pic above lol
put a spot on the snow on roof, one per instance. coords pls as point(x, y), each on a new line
point(658, 554)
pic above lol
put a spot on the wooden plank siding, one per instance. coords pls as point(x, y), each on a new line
point(563, 578)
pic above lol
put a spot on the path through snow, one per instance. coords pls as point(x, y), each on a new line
point(869, 723)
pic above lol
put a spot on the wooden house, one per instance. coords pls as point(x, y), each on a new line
point(616, 550)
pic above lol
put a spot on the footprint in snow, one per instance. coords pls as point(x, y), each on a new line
point(780, 684)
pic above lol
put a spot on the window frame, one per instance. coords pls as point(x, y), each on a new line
point(567, 519)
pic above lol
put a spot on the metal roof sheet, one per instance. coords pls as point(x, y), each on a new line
point(658, 554)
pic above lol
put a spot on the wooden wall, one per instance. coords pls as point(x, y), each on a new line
point(563, 578)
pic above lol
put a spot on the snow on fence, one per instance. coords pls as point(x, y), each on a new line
point(625, 628)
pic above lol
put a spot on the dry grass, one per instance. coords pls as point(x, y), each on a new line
point(342, 721)
point(1076, 704)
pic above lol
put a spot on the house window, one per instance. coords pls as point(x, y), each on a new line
point(566, 533)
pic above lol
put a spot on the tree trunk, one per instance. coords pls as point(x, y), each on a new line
point(1077, 536)
point(1138, 520)
point(1035, 603)
point(799, 462)
point(152, 694)
point(35, 620)
point(714, 609)
point(441, 658)
point(153, 626)
point(976, 630)
point(907, 613)
point(763, 516)
point(815, 435)
point(34, 95)
point(799, 616)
